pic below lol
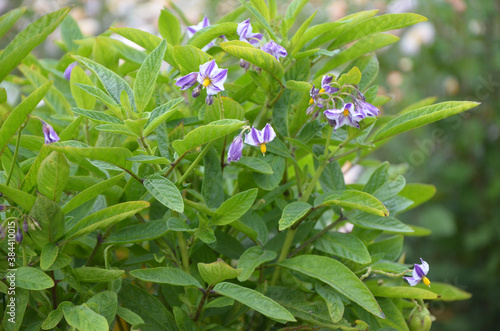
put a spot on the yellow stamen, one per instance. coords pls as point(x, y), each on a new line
point(426, 281)
point(311, 101)
point(322, 90)
point(263, 149)
point(346, 112)
point(206, 82)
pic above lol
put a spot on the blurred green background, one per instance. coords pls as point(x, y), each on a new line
point(453, 56)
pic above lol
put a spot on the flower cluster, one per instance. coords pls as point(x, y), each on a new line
point(349, 113)
point(419, 274)
point(255, 138)
point(209, 77)
point(27, 224)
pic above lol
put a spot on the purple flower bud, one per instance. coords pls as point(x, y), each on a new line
point(310, 109)
point(25, 226)
point(196, 91)
point(235, 149)
point(49, 133)
point(274, 49)
point(3, 207)
point(19, 235)
point(67, 72)
point(209, 100)
point(244, 64)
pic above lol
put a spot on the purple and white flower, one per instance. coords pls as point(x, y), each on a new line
point(49, 133)
point(187, 81)
point(260, 137)
point(366, 108)
point(274, 49)
point(244, 30)
point(347, 115)
point(67, 72)
point(235, 149)
point(419, 274)
point(191, 30)
point(326, 85)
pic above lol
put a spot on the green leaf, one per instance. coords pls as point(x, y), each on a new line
point(260, 18)
point(70, 32)
point(261, 6)
point(389, 248)
point(149, 159)
point(90, 193)
point(365, 45)
point(390, 188)
point(51, 219)
point(251, 259)
point(270, 182)
point(418, 193)
point(292, 213)
point(204, 36)
point(55, 316)
point(169, 27)
point(31, 278)
point(165, 192)
point(23, 199)
point(97, 275)
point(20, 300)
point(447, 292)
point(216, 272)
point(291, 14)
point(377, 24)
point(353, 199)
point(333, 301)
point(8, 19)
point(84, 318)
point(344, 245)
point(160, 114)
point(190, 58)
point(105, 218)
point(256, 301)
point(145, 80)
point(111, 81)
point(117, 128)
point(261, 59)
point(254, 164)
point(419, 104)
point(139, 232)
point(26, 40)
point(232, 109)
point(183, 320)
point(3, 95)
point(338, 276)
point(92, 93)
point(407, 292)
point(206, 133)
point(17, 116)
point(129, 316)
point(96, 116)
point(162, 275)
point(377, 178)
point(422, 116)
point(114, 155)
point(48, 255)
point(385, 223)
point(53, 175)
point(107, 303)
point(212, 188)
point(235, 207)
point(298, 85)
point(296, 41)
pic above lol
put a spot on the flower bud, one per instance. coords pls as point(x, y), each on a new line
point(420, 319)
point(19, 235)
point(235, 149)
point(25, 226)
point(196, 91)
point(69, 69)
point(209, 100)
point(3, 207)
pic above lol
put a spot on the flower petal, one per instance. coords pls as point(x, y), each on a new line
point(412, 281)
point(235, 149)
point(213, 89)
point(187, 81)
point(253, 137)
point(424, 266)
point(268, 133)
point(207, 68)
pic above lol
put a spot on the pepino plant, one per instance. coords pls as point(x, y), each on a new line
point(200, 183)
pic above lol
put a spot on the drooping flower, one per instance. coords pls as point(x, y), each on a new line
point(367, 109)
point(326, 85)
point(347, 115)
point(67, 72)
point(244, 30)
point(191, 30)
point(235, 149)
point(212, 78)
point(315, 99)
point(260, 138)
point(419, 274)
point(19, 235)
point(187, 81)
point(49, 133)
point(274, 49)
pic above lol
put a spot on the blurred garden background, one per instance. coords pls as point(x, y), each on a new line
point(453, 56)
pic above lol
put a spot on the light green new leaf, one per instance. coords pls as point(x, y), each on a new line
point(344, 245)
point(23, 199)
point(205, 134)
point(146, 77)
point(259, 18)
point(216, 272)
point(8, 19)
point(139, 232)
point(234, 207)
point(422, 116)
point(48, 256)
point(106, 217)
point(53, 175)
point(232, 109)
point(84, 318)
point(190, 58)
point(256, 301)
point(26, 40)
point(96, 116)
point(112, 82)
point(418, 193)
point(90, 193)
point(353, 199)
point(364, 45)
point(31, 278)
point(338, 276)
point(292, 213)
point(261, 59)
point(202, 37)
point(97, 275)
point(297, 38)
point(291, 14)
point(114, 155)
point(3, 95)
point(254, 164)
point(169, 27)
point(160, 114)
point(298, 85)
point(251, 259)
point(163, 275)
point(18, 115)
point(165, 192)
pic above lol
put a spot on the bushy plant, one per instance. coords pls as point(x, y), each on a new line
point(209, 194)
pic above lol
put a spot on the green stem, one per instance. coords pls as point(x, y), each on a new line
point(284, 252)
point(184, 251)
point(16, 151)
point(148, 150)
point(327, 145)
point(195, 162)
